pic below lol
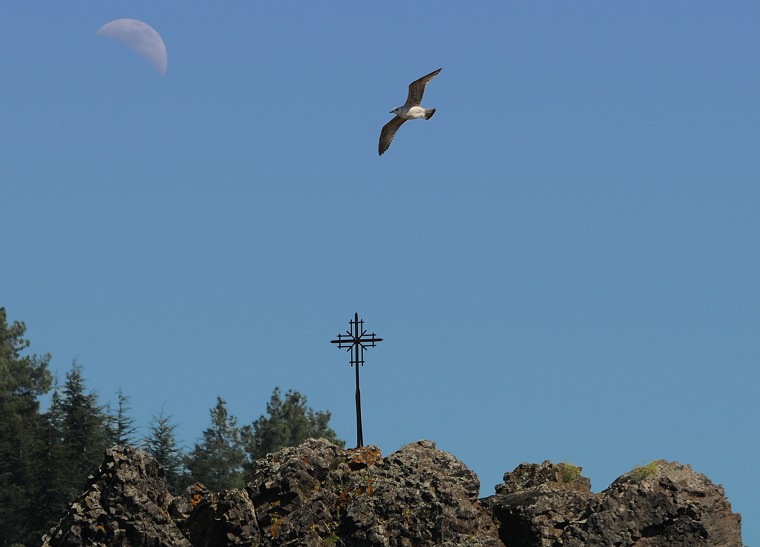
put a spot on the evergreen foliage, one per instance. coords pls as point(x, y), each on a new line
point(289, 423)
point(83, 429)
point(161, 444)
point(121, 425)
point(217, 461)
point(73, 435)
point(22, 380)
point(53, 492)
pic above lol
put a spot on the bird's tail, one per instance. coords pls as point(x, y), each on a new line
point(429, 113)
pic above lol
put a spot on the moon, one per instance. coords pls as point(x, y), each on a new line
point(141, 38)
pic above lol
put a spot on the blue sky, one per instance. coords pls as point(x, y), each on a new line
point(563, 262)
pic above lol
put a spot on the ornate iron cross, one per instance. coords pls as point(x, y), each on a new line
point(357, 339)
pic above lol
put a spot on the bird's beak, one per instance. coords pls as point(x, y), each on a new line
point(391, 112)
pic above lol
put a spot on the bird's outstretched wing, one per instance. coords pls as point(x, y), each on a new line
point(388, 132)
point(417, 88)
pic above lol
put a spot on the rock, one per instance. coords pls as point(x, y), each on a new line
point(226, 518)
point(660, 504)
point(318, 494)
point(126, 503)
point(535, 503)
point(181, 506)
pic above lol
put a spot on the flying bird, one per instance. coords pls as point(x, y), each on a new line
point(410, 111)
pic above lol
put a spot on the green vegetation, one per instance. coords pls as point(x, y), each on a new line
point(639, 474)
point(570, 472)
point(217, 461)
point(289, 423)
point(46, 456)
point(121, 423)
point(161, 445)
point(22, 381)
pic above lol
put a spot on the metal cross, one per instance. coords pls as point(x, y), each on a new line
point(357, 339)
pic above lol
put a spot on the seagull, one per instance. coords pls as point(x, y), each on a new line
point(410, 111)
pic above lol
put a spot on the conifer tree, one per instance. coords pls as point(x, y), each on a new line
point(217, 461)
point(289, 423)
point(76, 437)
point(83, 431)
point(121, 425)
point(161, 445)
point(22, 380)
point(53, 490)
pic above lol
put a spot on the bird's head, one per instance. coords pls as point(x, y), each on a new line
point(395, 110)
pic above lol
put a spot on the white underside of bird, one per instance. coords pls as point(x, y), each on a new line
point(412, 113)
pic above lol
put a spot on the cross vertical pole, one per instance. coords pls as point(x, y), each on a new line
point(357, 349)
point(356, 340)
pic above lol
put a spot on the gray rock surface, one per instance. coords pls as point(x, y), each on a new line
point(535, 503)
point(126, 504)
point(224, 518)
point(662, 503)
point(318, 494)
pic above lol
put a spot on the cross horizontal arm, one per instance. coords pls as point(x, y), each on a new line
point(352, 340)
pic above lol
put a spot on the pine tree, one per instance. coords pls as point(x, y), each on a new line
point(161, 445)
point(74, 435)
point(217, 461)
point(83, 431)
point(121, 424)
point(53, 490)
point(289, 423)
point(22, 380)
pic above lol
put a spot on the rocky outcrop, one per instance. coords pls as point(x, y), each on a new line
point(535, 503)
point(224, 518)
point(126, 503)
point(319, 494)
point(659, 504)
